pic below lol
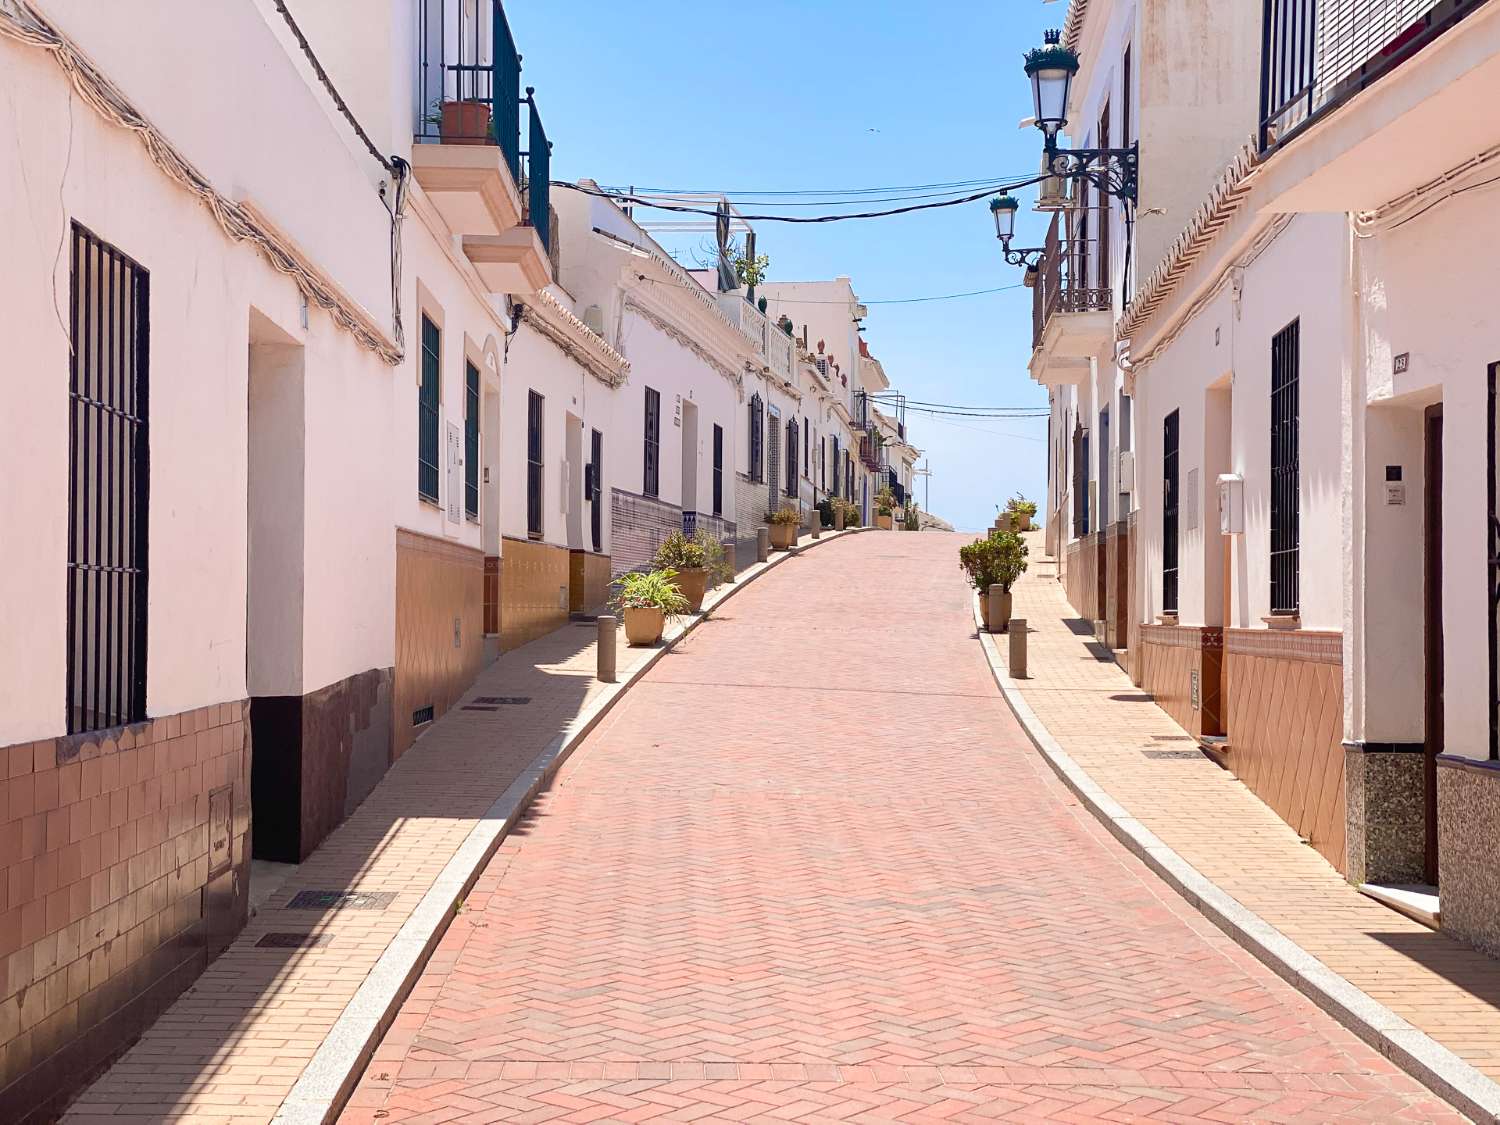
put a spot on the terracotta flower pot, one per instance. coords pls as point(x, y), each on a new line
point(1004, 608)
point(465, 123)
point(644, 625)
point(694, 585)
point(1023, 522)
point(885, 523)
point(984, 610)
point(783, 535)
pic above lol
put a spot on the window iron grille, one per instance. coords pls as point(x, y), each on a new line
point(1285, 472)
point(535, 406)
point(718, 470)
point(651, 475)
point(428, 400)
point(471, 441)
point(109, 486)
point(757, 426)
point(1169, 500)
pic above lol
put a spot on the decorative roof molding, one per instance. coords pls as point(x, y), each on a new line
point(1073, 23)
point(573, 338)
point(656, 320)
point(1223, 204)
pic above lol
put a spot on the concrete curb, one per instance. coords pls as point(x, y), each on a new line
point(327, 1082)
point(1414, 1051)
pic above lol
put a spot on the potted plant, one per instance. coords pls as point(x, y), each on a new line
point(885, 509)
point(1022, 511)
point(784, 523)
point(912, 521)
point(761, 304)
point(851, 513)
point(688, 559)
point(996, 560)
point(646, 599)
point(461, 122)
point(825, 510)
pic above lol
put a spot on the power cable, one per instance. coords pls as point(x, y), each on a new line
point(688, 197)
point(955, 184)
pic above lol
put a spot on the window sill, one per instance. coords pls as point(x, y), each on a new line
point(1283, 621)
point(1166, 619)
point(430, 501)
point(535, 536)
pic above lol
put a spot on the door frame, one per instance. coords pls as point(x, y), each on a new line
point(1432, 624)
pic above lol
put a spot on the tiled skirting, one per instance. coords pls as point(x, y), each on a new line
point(1180, 665)
point(535, 579)
point(1385, 791)
point(638, 524)
point(1468, 847)
point(318, 756)
point(1285, 717)
point(1083, 576)
point(1119, 555)
point(125, 865)
point(588, 580)
point(439, 627)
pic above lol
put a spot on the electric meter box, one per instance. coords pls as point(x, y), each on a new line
point(1231, 504)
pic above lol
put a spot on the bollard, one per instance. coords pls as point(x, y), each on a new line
point(1018, 648)
point(606, 647)
point(762, 544)
point(816, 521)
point(731, 559)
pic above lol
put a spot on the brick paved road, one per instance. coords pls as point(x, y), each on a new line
point(809, 870)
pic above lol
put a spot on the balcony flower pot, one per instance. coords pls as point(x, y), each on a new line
point(694, 585)
point(885, 521)
point(464, 123)
point(644, 625)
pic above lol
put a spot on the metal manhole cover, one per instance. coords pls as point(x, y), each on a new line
point(341, 900)
point(292, 941)
point(511, 700)
point(1175, 755)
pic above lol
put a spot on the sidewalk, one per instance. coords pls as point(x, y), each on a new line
point(255, 1037)
point(1134, 752)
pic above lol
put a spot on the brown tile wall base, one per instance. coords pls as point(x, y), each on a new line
point(1384, 787)
point(1117, 553)
point(439, 628)
point(1132, 606)
point(588, 580)
point(1171, 658)
point(1083, 578)
point(491, 594)
point(534, 591)
point(318, 755)
point(124, 856)
point(1286, 726)
point(1468, 844)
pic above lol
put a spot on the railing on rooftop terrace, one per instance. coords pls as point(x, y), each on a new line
point(1315, 54)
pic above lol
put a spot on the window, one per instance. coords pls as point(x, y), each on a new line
point(471, 441)
point(806, 446)
point(651, 479)
point(109, 465)
point(1080, 482)
point(1285, 475)
point(1169, 514)
point(838, 466)
point(428, 398)
point(1104, 468)
point(718, 470)
point(757, 427)
point(791, 457)
point(1127, 98)
point(534, 403)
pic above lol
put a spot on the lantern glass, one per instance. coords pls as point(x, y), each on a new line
point(1005, 223)
point(1049, 92)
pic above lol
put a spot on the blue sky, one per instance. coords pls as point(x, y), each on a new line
point(835, 94)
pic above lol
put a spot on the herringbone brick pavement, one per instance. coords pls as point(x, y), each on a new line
point(810, 869)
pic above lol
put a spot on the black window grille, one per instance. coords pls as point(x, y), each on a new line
point(757, 427)
point(651, 477)
point(791, 457)
point(471, 441)
point(836, 466)
point(109, 487)
point(534, 417)
point(1080, 482)
point(428, 399)
point(1285, 475)
point(718, 470)
point(806, 447)
point(1169, 514)
point(1104, 468)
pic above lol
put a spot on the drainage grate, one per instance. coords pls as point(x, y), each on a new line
point(341, 900)
point(511, 700)
point(1173, 737)
point(471, 707)
point(421, 715)
point(292, 941)
point(1174, 755)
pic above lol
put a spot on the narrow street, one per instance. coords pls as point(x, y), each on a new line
point(811, 869)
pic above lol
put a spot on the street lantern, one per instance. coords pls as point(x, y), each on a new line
point(1051, 68)
point(1004, 208)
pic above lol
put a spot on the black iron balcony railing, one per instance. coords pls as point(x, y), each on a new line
point(863, 417)
point(1316, 54)
point(1062, 281)
point(898, 490)
point(469, 84)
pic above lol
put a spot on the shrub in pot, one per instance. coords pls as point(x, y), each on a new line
point(647, 600)
point(1022, 512)
point(996, 560)
point(825, 509)
point(885, 509)
point(851, 513)
point(784, 523)
point(687, 557)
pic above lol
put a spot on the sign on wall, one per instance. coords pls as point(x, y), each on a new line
point(455, 473)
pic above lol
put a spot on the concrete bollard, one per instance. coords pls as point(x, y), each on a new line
point(816, 522)
point(606, 648)
point(762, 544)
point(1018, 648)
point(731, 559)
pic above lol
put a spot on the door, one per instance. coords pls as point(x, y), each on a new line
point(1432, 570)
point(596, 490)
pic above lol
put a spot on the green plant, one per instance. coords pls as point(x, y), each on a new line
point(784, 515)
point(825, 510)
point(678, 552)
point(997, 560)
point(761, 304)
point(715, 558)
point(785, 324)
point(885, 501)
point(913, 518)
point(750, 272)
point(650, 589)
point(1050, 57)
point(850, 510)
point(1019, 505)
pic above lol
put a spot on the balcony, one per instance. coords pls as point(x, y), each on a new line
point(898, 490)
point(872, 453)
point(1071, 320)
point(861, 415)
point(1344, 152)
point(492, 193)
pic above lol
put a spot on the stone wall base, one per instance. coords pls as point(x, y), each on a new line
point(1469, 850)
point(1386, 812)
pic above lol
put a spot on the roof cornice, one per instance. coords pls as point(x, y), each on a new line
point(551, 319)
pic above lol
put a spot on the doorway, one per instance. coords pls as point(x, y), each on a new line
point(596, 490)
point(1432, 601)
point(689, 457)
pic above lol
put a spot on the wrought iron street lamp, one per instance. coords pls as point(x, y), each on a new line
point(1112, 171)
point(1004, 208)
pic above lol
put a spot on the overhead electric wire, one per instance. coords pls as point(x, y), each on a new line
point(689, 197)
point(957, 185)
